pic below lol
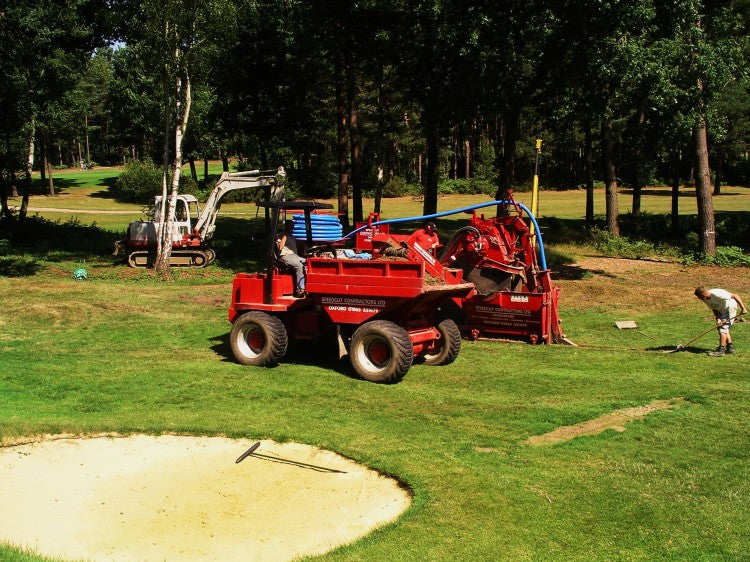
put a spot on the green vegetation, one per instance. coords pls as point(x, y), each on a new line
point(139, 182)
point(95, 218)
point(403, 94)
point(123, 352)
point(137, 355)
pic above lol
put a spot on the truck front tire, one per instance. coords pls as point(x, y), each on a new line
point(381, 351)
point(258, 339)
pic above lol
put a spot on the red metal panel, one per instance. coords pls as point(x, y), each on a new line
point(361, 277)
point(247, 293)
point(363, 241)
point(510, 314)
point(352, 309)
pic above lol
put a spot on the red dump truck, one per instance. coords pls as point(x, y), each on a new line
point(382, 312)
point(389, 302)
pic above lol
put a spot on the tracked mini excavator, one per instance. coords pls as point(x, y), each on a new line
point(193, 227)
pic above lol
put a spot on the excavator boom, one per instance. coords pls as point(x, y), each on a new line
point(254, 179)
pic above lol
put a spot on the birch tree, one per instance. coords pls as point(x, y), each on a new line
point(181, 37)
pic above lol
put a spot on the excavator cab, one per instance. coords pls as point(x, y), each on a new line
point(186, 211)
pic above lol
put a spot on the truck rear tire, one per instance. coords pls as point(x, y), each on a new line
point(381, 351)
point(258, 339)
point(448, 346)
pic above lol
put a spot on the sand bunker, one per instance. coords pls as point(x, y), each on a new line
point(185, 498)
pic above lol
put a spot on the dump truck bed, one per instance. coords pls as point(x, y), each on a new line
point(351, 291)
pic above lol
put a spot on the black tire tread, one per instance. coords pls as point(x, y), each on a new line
point(401, 346)
point(277, 338)
point(451, 344)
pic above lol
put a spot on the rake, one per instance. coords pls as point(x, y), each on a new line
point(682, 346)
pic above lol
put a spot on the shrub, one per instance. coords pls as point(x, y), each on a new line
point(471, 186)
point(189, 185)
point(730, 256)
point(399, 187)
point(38, 236)
point(621, 246)
point(18, 266)
point(139, 182)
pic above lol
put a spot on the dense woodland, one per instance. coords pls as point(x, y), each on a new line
point(384, 97)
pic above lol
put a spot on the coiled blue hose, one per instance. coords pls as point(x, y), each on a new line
point(537, 232)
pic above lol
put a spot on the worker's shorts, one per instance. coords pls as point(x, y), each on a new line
point(727, 319)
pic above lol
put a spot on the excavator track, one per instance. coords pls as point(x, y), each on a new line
point(178, 258)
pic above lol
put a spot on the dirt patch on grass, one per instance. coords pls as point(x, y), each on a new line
point(186, 498)
point(636, 285)
point(615, 420)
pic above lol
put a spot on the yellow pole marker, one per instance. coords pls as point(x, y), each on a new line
point(535, 189)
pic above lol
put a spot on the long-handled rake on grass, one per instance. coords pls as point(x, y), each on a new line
point(682, 346)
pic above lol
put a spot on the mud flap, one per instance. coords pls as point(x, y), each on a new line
point(343, 351)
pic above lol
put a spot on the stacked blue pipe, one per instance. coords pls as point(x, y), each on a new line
point(325, 228)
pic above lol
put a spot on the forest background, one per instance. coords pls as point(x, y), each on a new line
point(385, 97)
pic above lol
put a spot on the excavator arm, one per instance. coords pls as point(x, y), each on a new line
point(255, 179)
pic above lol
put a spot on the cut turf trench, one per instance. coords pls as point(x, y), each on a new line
point(614, 420)
point(187, 498)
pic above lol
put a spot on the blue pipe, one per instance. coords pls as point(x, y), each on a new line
point(537, 232)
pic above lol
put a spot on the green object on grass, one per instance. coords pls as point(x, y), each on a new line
point(80, 274)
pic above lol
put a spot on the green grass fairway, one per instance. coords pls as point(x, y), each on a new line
point(143, 356)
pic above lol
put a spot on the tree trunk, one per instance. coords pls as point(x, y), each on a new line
point(45, 157)
point(706, 225)
point(30, 152)
point(13, 184)
point(431, 186)
point(86, 129)
point(205, 172)
point(28, 171)
point(676, 193)
point(610, 176)
point(224, 160)
point(341, 144)
point(718, 169)
point(356, 150)
point(638, 180)
point(163, 248)
point(637, 189)
point(454, 155)
point(507, 163)
point(182, 114)
point(589, 170)
point(379, 188)
point(6, 212)
point(193, 171)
